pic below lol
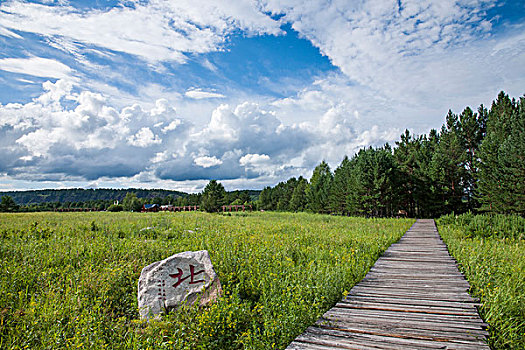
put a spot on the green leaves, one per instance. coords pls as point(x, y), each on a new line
point(502, 158)
point(318, 190)
point(213, 197)
point(8, 204)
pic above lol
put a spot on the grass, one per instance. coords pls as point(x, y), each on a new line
point(69, 280)
point(491, 254)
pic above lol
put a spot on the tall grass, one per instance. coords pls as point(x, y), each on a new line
point(69, 280)
point(491, 253)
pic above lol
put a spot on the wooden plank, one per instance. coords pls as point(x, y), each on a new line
point(342, 338)
point(398, 294)
point(406, 308)
point(406, 315)
point(412, 301)
point(422, 289)
point(400, 331)
point(453, 325)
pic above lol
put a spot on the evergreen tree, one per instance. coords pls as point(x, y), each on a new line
point(430, 200)
point(285, 194)
point(471, 129)
point(502, 158)
point(371, 185)
point(339, 190)
point(318, 190)
point(265, 199)
point(447, 164)
point(405, 155)
point(298, 200)
point(213, 196)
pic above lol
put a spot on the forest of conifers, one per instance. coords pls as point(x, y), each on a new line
point(476, 162)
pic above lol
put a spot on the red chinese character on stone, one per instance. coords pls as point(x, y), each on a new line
point(180, 273)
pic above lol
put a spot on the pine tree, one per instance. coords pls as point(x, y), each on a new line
point(372, 183)
point(318, 190)
point(471, 129)
point(265, 199)
point(298, 200)
point(213, 196)
point(340, 187)
point(405, 155)
point(491, 177)
point(502, 158)
point(447, 164)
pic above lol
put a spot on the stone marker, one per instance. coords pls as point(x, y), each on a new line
point(179, 279)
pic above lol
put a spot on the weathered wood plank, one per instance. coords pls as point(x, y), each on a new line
point(416, 322)
point(407, 330)
point(405, 315)
point(412, 301)
point(414, 297)
point(342, 338)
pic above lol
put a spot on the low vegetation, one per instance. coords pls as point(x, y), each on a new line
point(69, 280)
point(491, 252)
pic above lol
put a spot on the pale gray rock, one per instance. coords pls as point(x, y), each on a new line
point(181, 278)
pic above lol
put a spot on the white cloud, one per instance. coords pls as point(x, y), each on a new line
point(411, 53)
point(36, 66)
point(254, 159)
point(64, 135)
point(172, 126)
point(160, 157)
point(198, 94)
point(161, 30)
point(144, 138)
point(8, 33)
point(207, 162)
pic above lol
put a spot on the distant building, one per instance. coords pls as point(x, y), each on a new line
point(150, 208)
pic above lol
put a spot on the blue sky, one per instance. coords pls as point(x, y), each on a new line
point(172, 94)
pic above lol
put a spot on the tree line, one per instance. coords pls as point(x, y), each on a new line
point(475, 162)
point(124, 200)
point(80, 195)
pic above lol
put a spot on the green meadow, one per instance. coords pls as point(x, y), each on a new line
point(69, 280)
point(490, 250)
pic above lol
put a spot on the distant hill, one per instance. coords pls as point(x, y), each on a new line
point(84, 195)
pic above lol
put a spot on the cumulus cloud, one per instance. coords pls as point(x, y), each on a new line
point(207, 162)
point(64, 135)
point(254, 159)
point(144, 138)
point(171, 126)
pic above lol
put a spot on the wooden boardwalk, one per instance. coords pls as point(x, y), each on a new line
point(413, 298)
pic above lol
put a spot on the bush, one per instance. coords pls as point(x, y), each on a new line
point(487, 225)
point(115, 207)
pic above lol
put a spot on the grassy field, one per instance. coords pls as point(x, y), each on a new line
point(491, 253)
point(69, 280)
